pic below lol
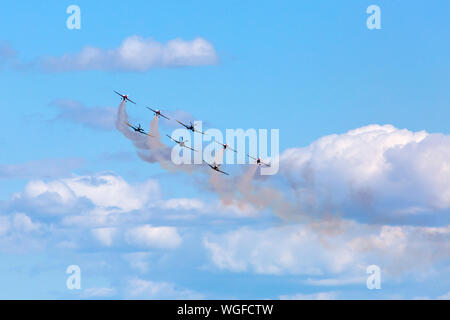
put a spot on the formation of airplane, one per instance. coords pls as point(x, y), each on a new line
point(157, 113)
point(215, 167)
point(124, 97)
point(181, 142)
point(190, 127)
point(139, 129)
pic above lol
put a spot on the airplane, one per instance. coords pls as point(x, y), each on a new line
point(181, 143)
point(158, 113)
point(124, 97)
point(190, 127)
point(259, 161)
point(225, 146)
point(139, 129)
point(215, 167)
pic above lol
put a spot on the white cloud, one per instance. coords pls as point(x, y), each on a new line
point(106, 193)
point(112, 191)
point(105, 235)
point(393, 170)
point(183, 204)
point(289, 249)
point(310, 296)
point(138, 261)
point(23, 223)
point(5, 224)
point(98, 293)
point(136, 54)
point(329, 282)
point(194, 208)
point(144, 289)
point(17, 222)
point(154, 237)
point(20, 234)
point(444, 296)
point(303, 250)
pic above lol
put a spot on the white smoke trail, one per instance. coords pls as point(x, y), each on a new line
point(150, 149)
point(138, 139)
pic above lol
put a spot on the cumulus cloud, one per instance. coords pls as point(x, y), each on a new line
point(194, 208)
point(106, 211)
point(102, 118)
point(381, 169)
point(20, 234)
point(99, 194)
point(183, 203)
point(281, 250)
point(136, 54)
point(390, 171)
point(23, 223)
point(154, 237)
point(104, 235)
point(301, 250)
point(101, 210)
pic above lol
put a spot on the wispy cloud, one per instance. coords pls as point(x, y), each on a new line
point(145, 289)
point(102, 118)
point(135, 54)
point(310, 296)
point(95, 293)
point(7, 52)
point(40, 169)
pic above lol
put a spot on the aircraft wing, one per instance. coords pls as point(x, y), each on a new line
point(172, 138)
point(219, 143)
point(148, 134)
point(131, 101)
point(252, 157)
point(151, 109)
point(208, 164)
point(182, 124)
point(118, 93)
point(131, 126)
point(222, 171)
point(268, 165)
point(190, 148)
point(199, 131)
point(164, 116)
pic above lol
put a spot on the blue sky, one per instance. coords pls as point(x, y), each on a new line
point(309, 68)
